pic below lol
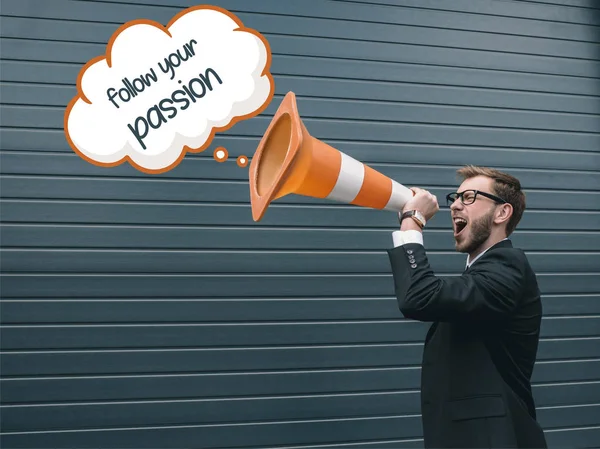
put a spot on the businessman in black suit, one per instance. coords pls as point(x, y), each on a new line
point(481, 348)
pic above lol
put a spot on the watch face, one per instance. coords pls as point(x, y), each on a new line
point(420, 216)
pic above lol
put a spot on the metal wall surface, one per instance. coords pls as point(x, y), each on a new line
point(151, 311)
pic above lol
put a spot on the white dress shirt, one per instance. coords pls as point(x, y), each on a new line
point(411, 236)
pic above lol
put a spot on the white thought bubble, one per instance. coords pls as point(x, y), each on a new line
point(162, 91)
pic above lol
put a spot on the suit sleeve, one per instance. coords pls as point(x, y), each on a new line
point(489, 292)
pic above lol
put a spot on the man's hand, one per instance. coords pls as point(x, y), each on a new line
point(424, 202)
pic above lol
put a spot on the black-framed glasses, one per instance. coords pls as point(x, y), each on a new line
point(469, 196)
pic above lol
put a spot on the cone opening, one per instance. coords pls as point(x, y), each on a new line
point(274, 153)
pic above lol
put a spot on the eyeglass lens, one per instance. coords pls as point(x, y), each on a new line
point(466, 197)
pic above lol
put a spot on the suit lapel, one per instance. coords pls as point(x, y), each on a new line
point(501, 244)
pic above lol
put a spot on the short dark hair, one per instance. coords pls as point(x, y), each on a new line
point(505, 186)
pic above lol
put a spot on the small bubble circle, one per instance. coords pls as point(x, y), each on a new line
point(242, 161)
point(220, 154)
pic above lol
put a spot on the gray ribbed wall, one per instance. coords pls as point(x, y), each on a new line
point(151, 311)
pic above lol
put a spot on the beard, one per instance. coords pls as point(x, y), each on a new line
point(479, 232)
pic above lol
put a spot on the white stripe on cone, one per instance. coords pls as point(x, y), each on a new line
point(399, 197)
point(350, 180)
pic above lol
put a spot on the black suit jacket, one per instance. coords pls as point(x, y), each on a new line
point(479, 352)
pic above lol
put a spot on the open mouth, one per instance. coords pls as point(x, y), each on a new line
point(459, 225)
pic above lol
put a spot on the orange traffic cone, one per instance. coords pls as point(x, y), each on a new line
point(289, 160)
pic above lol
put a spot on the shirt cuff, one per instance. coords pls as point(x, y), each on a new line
point(403, 237)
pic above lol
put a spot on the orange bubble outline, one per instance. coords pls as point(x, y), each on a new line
point(224, 150)
point(186, 149)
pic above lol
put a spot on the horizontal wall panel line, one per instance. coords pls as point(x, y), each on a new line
point(343, 20)
point(55, 187)
point(354, 100)
point(287, 205)
point(589, 201)
point(562, 429)
point(182, 362)
point(419, 124)
point(255, 275)
point(554, 5)
point(247, 228)
point(65, 150)
point(316, 252)
point(211, 374)
point(565, 383)
point(457, 11)
point(228, 373)
point(348, 75)
point(560, 437)
point(376, 142)
point(165, 238)
point(242, 397)
point(215, 373)
point(316, 298)
point(333, 141)
point(361, 18)
point(445, 230)
point(334, 57)
point(553, 407)
point(62, 364)
point(316, 206)
point(235, 424)
point(584, 4)
point(353, 39)
point(267, 411)
point(257, 334)
point(379, 120)
point(191, 323)
point(223, 324)
point(267, 347)
point(70, 83)
point(265, 228)
point(221, 182)
point(468, 12)
point(446, 105)
point(69, 87)
point(143, 312)
point(587, 5)
point(168, 375)
point(415, 443)
point(68, 152)
point(243, 184)
point(274, 32)
point(215, 399)
point(236, 348)
point(194, 323)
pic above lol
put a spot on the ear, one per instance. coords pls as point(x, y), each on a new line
point(503, 213)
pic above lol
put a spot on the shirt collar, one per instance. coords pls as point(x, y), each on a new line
point(469, 263)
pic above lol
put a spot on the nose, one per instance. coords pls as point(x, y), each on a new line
point(457, 204)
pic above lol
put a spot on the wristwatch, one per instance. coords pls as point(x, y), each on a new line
point(416, 216)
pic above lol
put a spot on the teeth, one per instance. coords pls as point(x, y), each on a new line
point(460, 220)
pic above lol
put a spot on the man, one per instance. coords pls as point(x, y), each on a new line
point(480, 350)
